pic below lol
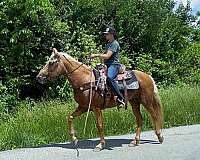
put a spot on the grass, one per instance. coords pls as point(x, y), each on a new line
point(181, 106)
point(35, 124)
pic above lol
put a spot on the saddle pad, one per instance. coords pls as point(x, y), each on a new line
point(125, 75)
point(131, 83)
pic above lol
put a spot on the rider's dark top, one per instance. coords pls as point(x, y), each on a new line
point(114, 47)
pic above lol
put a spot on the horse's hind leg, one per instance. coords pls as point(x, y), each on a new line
point(136, 110)
point(70, 119)
point(155, 109)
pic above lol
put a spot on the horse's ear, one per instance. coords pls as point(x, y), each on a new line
point(55, 51)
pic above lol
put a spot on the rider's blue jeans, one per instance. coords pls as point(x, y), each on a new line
point(113, 70)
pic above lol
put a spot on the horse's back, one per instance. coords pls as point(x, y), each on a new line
point(141, 76)
point(145, 80)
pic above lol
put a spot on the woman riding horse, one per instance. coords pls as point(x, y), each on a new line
point(111, 60)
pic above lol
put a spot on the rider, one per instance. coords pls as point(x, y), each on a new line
point(111, 60)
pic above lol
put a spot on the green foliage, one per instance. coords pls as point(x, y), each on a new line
point(60, 90)
point(162, 71)
point(24, 26)
point(152, 34)
point(33, 124)
point(7, 100)
point(189, 62)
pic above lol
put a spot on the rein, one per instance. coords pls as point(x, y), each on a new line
point(69, 74)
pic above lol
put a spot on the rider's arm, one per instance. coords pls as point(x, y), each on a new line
point(103, 56)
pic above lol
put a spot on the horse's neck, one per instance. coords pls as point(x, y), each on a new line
point(80, 75)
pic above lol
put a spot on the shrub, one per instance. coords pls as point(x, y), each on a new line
point(189, 62)
point(7, 100)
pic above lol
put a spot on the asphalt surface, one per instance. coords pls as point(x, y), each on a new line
point(181, 143)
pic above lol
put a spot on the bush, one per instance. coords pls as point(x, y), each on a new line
point(59, 89)
point(7, 100)
point(164, 72)
point(189, 62)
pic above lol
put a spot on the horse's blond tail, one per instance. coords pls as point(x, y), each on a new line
point(154, 85)
point(157, 106)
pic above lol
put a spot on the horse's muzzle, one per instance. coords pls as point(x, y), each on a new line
point(41, 79)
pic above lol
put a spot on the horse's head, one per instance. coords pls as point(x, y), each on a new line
point(52, 69)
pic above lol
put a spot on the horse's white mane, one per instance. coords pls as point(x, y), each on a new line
point(67, 56)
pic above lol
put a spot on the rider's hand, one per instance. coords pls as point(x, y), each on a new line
point(94, 55)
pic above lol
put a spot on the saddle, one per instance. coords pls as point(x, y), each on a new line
point(125, 75)
point(125, 78)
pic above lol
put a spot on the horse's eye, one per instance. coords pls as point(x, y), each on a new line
point(51, 62)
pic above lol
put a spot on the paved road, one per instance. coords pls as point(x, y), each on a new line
point(181, 143)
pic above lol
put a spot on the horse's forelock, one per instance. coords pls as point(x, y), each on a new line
point(51, 58)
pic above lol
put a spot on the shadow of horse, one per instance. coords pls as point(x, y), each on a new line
point(91, 144)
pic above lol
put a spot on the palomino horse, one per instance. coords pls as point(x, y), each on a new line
point(79, 74)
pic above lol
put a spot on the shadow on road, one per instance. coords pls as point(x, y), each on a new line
point(90, 144)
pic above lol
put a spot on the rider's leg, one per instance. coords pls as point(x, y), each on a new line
point(112, 73)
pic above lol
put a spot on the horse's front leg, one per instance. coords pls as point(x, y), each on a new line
point(70, 119)
point(99, 124)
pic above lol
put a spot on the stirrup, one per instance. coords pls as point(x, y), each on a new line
point(121, 102)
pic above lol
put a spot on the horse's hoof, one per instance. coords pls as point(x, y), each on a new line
point(99, 147)
point(134, 143)
point(161, 139)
